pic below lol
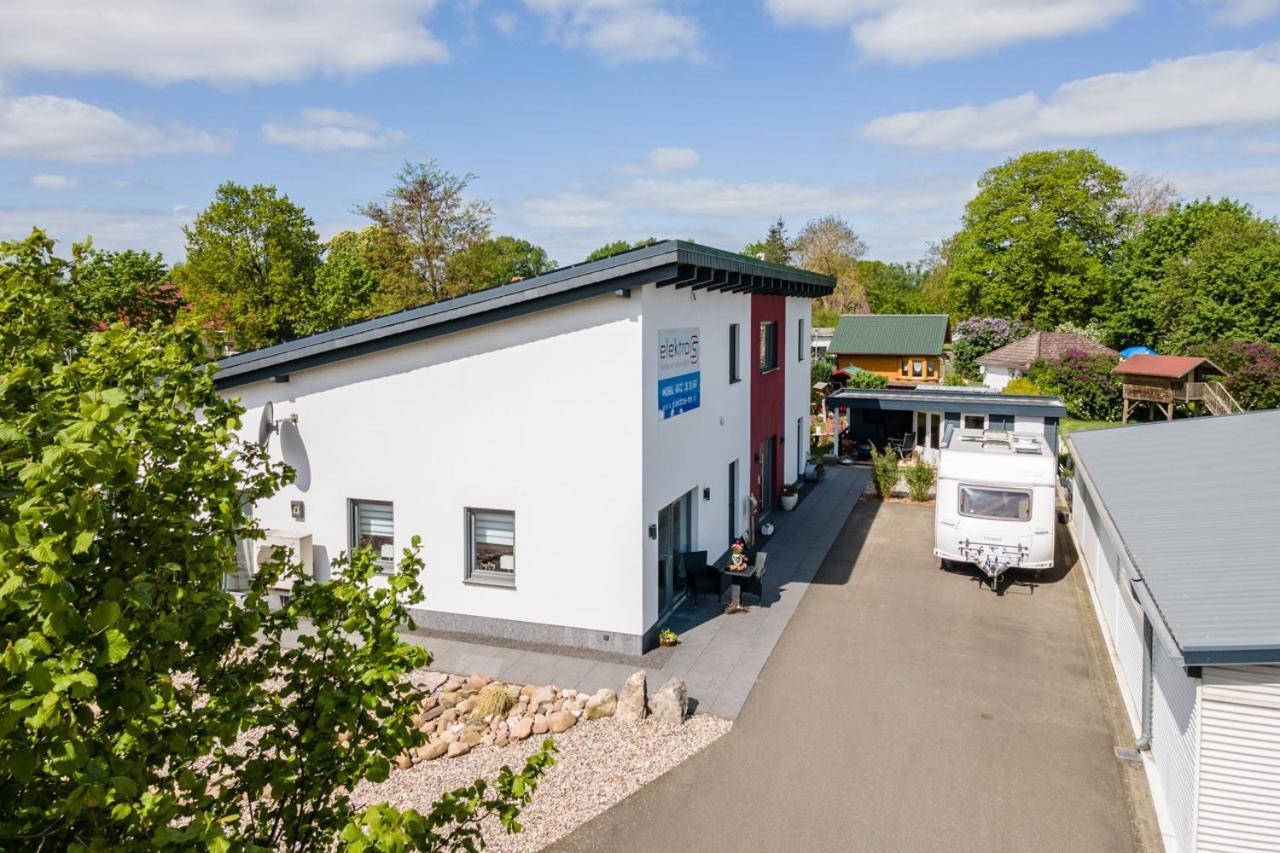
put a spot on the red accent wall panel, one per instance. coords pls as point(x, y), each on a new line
point(768, 395)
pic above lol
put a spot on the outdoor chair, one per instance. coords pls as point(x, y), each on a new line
point(904, 446)
point(698, 576)
point(755, 583)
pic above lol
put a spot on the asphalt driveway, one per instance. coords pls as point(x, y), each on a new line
point(907, 709)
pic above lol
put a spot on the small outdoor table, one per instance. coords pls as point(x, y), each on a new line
point(753, 570)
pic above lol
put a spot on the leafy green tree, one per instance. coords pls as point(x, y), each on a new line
point(1037, 238)
point(428, 219)
point(619, 246)
point(898, 288)
point(141, 706)
point(829, 246)
point(1202, 271)
point(125, 287)
point(497, 261)
point(347, 282)
point(1085, 383)
point(775, 247)
point(251, 264)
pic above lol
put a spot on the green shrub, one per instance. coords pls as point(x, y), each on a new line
point(865, 379)
point(1022, 385)
point(884, 470)
point(1085, 383)
point(919, 480)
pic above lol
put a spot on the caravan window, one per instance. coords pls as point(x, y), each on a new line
point(1005, 504)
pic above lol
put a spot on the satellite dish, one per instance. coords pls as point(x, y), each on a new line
point(267, 424)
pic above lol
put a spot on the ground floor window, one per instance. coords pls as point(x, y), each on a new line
point(1000, 422)
point(373, 527)
point(491, 538)
point(975, 421)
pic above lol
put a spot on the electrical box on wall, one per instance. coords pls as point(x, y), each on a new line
point(298, 510)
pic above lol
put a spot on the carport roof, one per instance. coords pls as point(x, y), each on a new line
point(1195, 503)
point(946, 399)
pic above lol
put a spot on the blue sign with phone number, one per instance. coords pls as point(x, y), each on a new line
point(679, 394)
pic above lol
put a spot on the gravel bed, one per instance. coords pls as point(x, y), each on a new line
point(598, 764)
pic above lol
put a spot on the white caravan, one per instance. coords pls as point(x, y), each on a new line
point(995, 502)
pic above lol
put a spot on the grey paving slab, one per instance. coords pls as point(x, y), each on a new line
point(884, 721)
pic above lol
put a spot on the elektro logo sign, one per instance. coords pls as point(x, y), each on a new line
point(679, 376)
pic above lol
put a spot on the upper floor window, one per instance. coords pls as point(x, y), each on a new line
point(801, 342)
point(734, 374)
point(768, 345)
point(373, 527)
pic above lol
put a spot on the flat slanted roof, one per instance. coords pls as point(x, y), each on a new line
point(891, 334)
point(934, 398)
point(1197, 505)
point(674, 263)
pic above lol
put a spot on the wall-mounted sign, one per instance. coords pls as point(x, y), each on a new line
point(679, 371)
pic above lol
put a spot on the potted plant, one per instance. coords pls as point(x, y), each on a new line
point(667, 637)
point(789, 497)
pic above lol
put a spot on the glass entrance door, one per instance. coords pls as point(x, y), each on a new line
point(928, 429)
point(675, 528)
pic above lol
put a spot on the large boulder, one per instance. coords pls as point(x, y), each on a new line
point(539, 724)
point(603, 703)
point(631, 701)
point(560, 721)
point(522, 728)
point(670, 704)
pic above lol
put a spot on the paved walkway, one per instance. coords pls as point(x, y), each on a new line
point(719, 656)
point(905, 709)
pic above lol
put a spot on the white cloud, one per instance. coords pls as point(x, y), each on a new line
point(504, 22)
point(1246, 182)
point(622, 30)
point(916, 31)
point(331, 130)
point(232, 42)
point(1230, 89)
point(1241, 12)
point(53, 182)
point(156, 230)
point(661, 161)
point(50, 127)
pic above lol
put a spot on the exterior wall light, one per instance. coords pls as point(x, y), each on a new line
point(706, 493)
point(653, 531)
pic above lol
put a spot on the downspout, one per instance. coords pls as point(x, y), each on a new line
point(1148, 684)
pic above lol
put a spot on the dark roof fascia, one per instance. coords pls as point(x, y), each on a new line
point(919, 401)
point(660, 263)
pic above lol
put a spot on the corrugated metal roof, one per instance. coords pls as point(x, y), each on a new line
point(625, 269)
point(890, 334)
point(1197, 504)
point(1168, 366)
point(1047, 345)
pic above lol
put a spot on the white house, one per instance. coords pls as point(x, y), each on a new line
point(1011, 361)
point(1176, 525)
point(556, 442)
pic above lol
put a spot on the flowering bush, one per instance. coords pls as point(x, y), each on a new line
point(977, 336)
point(1253, 371)
point(1084, 382)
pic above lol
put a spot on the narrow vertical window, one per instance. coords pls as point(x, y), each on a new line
point(373, 527)
point(491, 541)
point(768, 345)
point(801, 341)
point(734, 375)
point(733, 500)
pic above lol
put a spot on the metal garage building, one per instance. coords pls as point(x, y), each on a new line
point(1178, 527)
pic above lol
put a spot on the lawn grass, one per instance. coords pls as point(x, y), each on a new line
point(1070, 425)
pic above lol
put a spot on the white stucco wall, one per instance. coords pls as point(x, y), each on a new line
point(693, 450)
point(796, 409)
point(539, 415)
point(998, 377)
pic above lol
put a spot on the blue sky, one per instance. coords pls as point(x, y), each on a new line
point(590, 120)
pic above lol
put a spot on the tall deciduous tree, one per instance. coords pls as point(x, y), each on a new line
point(347, 281)
point(1205, 270)
point(126, 287)
point(497, 261)
point(428, 214)
point(252, 257)
point(1037, 238)
point(830, 246)
point(619, 246)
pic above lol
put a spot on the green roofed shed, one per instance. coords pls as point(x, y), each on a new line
point(891, 334)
